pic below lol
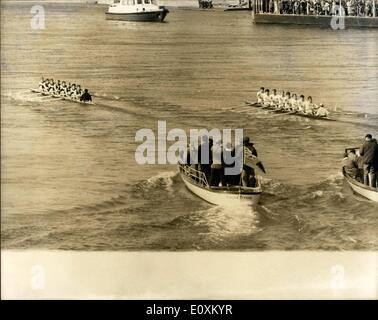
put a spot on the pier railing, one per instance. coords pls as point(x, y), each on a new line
point(360, 9)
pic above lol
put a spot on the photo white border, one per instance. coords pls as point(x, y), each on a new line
point(29, 274)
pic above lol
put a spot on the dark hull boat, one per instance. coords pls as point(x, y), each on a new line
point(143, 10)
point(153, 16)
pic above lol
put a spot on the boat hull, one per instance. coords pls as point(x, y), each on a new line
point(289, 113)
point(361, 189)
point(223, 196)
point(150, 16)
point(238, 9)
point(60, 97)
point(325, 21)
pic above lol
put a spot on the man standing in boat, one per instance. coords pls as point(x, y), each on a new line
point(205, 156)
point(369, 152)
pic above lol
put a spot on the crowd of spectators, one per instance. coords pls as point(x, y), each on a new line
point(360, 8)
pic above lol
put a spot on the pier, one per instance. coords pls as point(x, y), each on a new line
point(338, 15)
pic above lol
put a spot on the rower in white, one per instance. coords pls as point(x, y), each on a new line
point(308, 107)
point(294, 103)
point(275, 98)
point(301, 104)
point(267, 98)
point(281, 101)
point(287, 102)
point(260, 95)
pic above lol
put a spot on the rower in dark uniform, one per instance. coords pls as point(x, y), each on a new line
point(86, 97)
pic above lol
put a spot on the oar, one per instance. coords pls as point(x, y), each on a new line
point(252, 104)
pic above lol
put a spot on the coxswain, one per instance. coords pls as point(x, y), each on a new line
point(86, 97)
point(321, 111)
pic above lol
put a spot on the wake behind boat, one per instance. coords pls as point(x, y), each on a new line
point(136, 10)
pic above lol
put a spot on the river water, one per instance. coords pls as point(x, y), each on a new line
point(69, 178)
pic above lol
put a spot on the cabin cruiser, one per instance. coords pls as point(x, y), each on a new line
point(137, 10)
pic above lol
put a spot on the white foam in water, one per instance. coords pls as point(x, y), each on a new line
point(226, 221)
point(317, 193)
point(165, 177)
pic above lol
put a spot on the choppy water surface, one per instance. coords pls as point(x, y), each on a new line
point(69, 178)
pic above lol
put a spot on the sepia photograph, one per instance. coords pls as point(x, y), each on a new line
point(189, 149)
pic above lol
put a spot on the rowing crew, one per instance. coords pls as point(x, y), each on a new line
point(290, 102)
point(63, 89)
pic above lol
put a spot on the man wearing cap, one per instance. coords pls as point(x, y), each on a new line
point(369, 152)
